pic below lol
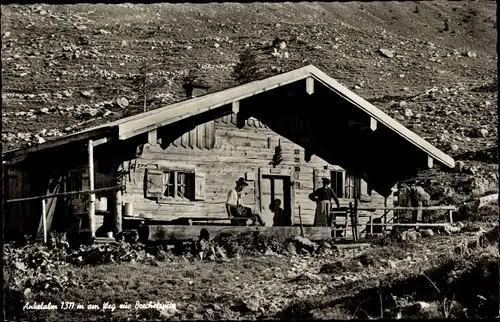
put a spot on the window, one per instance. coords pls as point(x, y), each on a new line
point(337, 183)
point(345, 185)
point(175, 185)
point(352, 186)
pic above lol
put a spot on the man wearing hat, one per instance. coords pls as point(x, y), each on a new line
point(234, 206)
point(323, 197)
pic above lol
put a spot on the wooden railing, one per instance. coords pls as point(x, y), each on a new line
point(352, 216)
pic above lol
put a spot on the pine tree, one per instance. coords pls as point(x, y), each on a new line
point(246, 69)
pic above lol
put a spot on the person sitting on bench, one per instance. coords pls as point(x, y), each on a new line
point(236, 210)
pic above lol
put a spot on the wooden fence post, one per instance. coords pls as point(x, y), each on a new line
point(44, 221)
point(91, 183)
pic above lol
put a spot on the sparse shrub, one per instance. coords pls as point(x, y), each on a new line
point(246, 70)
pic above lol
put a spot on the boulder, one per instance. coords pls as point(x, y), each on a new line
point(304, 243)
point(427, 232)
point(122, 102)
point(410, 235)
point(386, 52)
point(459, 166)
point(449, 229)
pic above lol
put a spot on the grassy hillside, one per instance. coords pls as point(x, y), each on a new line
point(64, 67)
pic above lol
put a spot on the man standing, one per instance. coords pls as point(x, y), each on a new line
point(323, 197)
point(234, 207)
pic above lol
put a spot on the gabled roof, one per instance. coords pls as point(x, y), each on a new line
point(141, 123)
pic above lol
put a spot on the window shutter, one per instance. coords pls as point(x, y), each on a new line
point(364, 188)
point(154, 183)
point(199, 185)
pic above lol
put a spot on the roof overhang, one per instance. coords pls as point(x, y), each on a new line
point(150, 121)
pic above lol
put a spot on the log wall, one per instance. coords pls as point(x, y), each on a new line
point(227, 154)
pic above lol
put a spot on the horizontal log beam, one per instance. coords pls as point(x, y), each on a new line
point(410, 208)
point(185, 233)
point(66, 194)
point(102, 141)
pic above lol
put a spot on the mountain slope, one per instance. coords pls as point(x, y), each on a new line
point(64, 67)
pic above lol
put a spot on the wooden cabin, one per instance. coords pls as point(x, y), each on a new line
point(180, 161)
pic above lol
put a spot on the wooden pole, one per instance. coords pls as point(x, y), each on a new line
point(351, 214)
point(44, 221)
point(91, 183)
point(450, 212)
point(356, 220)
point(118, 211)
point(301, 227)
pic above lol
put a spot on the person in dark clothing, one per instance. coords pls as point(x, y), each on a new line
point(323, 197)
point(281, 218)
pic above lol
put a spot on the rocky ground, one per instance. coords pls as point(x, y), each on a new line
point(301, 281)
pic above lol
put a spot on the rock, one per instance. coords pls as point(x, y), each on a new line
point(7, 34)
point(291, 248)
point(470, 169)
point(286, 55)
point(482, 133)
point(459, 166)
point(43, 12)
point(216, 307)
point(304, 243)
point(410, 235)
point(453, 147)
point(248, 305)
point(427, 232)
point(483, 201)
point(44, 110)
point(408, 112)
point(471, 54)
point(449, 229)
point(92, 112)
point(330, 268)
point(80, 27)
point(87, 94)
point(216, 45)
point(392, 264)
point(221, 253)
point(386, 52)
point(307, 277)
point(188, 47)
point(104, 32)
point(40, 140)
point(122, 102)
point(282, 45)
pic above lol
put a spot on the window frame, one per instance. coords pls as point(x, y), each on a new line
point(189, 186)
point(347, 189)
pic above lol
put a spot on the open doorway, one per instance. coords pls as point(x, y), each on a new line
point(276, 187)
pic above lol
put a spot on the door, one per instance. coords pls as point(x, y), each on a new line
point(276, 187)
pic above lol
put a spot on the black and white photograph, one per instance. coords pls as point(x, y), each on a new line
point(250, 160)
